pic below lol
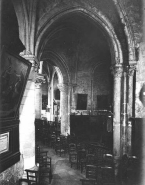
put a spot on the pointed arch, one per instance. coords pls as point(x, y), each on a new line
point(99, 18)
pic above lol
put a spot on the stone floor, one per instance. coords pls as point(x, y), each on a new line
point(63, 174)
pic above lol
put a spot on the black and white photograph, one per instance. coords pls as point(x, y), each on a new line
point(72, 92)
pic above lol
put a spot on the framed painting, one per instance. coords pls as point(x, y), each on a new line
point(13, 77)
point(82, 101)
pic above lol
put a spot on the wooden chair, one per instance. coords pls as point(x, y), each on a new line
point(107, 176)
point(99, 154)
point(32, 176)
point(72, 149)
point(64, 143)
point(45, 168)
point(91, 149)
point(40, 154)
point(133, 170)
point(24, 182)
point(81, 155)
point(74, 160)
point(90, 160)
point(91, 175)
point(108, 160)
point(60, 149)
point(80, 146)
point(52, 140)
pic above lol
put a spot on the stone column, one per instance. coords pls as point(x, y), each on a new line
point(65, 127)
point(69, 107)
point(130, 108)
point(130, 90)
point(51, 102)
point(27, 118)
point(117, 72)
point(38, 100)
point(48, 105)
point(124, 116)
point(38, 95)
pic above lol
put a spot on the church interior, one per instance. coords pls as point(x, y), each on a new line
point(72, 92)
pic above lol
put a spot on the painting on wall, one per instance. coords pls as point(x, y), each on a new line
point(13, 77)
point(82, 101)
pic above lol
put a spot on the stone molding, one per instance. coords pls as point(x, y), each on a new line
point(63, 87)
point(117, 70)
point(33, 59)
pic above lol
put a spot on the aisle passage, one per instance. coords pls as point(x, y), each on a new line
point(63, 174)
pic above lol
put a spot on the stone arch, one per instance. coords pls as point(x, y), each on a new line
point(116, 51)
point(63, 70)
point(59, 74)
point(63, 73)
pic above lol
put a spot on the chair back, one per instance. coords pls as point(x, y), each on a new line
point(72, 147)
point(132, 162)
point(46, 162)
point(81, 155)
point(108, 160)
point(107, 175)
point(99, 154)
point(91, 172)
point(32, 176)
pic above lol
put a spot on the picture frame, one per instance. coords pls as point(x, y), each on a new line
point(4, 142)
point(82, 101)
point(13, 77)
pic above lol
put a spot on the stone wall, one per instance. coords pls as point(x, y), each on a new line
point(140, 80)
point(99, 85)
point(12, 174)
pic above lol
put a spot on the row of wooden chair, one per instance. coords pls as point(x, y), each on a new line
point(96, 162)
point(129, 169)
point(44, 169)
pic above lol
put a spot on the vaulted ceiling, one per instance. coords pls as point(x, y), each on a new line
point(79, 41)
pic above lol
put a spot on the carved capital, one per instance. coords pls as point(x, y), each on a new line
point(63, 87)
point(38, 85)
point(131, 70)
point(117, 70)
point(40, 78)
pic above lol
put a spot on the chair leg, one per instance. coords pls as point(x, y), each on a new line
point(50, 177)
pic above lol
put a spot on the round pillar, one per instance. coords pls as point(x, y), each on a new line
point(38, 95)
point(27, 119)
point(65, 126)
point(130, 90)
point(38, 100)
point(49, 104)
point(130, 108)
point(124, 116)
point(117, 72)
